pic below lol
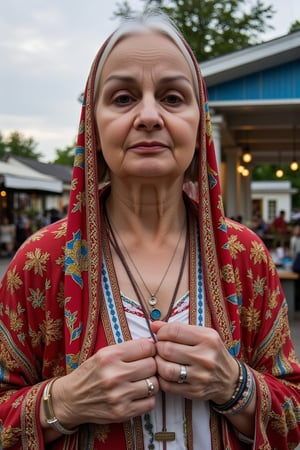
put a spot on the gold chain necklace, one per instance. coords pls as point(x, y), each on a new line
point(155, 313)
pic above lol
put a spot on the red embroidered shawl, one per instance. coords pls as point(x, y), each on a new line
point(51, 295)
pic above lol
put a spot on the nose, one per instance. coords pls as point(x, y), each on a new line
point(148, 115)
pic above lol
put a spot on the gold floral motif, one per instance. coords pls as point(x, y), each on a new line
point(13, 280)
point(15, 321)
point(288, 420)
point(227, 273)
point(6, 395)
point(259, 286)
point(273, 298)
point(235, 246)
point(51, 329)
point(272, 267)
point(35, 237)
point(102, 432)
point(61, 232)
point(234, 225)
point(60, 295)
point(250, 317)
point(258, 253)
point(37, 261)
point(9, 436)
point(220, 204)
point(37, 298)
point(238, 284)
point(17, 402)
point(80, 197)
point(74, 183)
point(60, 261)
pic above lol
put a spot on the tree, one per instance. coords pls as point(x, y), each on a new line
point(295, 26)
point(17, 144)
point(212, 27)
point(65, 156)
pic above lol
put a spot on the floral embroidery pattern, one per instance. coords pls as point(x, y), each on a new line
point(76, 258)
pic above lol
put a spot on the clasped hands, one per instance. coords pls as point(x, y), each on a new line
point(121, 381)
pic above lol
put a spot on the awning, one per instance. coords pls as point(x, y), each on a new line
point(23, 178)
point(20, 183)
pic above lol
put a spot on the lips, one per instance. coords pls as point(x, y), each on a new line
point(146, 146)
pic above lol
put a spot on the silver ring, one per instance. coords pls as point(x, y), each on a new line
point(183, 374)
point(150, 386)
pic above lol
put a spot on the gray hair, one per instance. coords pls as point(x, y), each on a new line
point(147, 21)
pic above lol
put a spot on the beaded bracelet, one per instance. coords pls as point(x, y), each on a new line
point(49, 412)
point(241, 398)
point(247, 396)
point(240, 387)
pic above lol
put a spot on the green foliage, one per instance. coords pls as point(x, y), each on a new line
point(65, 156)
point(212, 27)
point(18, 145)
point(295, 26)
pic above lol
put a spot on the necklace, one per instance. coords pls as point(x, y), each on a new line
point(155, 314)
point(164, 435)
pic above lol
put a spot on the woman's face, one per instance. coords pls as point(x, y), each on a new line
point(146, 112)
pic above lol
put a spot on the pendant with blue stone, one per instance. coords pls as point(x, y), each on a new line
point(155, 314)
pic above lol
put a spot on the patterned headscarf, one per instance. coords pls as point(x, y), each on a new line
point(83, 291)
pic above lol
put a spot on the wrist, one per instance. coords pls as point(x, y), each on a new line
point(232, 380)
point(243, 394)
point(50, 412)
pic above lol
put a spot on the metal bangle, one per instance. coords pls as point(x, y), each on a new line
point(49, 412)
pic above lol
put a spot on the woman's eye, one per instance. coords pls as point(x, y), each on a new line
point(123, 99)
point(173, 99)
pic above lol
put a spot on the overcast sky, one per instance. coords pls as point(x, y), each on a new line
point(46, 48)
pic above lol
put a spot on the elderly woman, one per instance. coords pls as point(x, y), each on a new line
point(146, 320)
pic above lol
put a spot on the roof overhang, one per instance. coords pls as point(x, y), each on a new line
point(23, 178)
point(252, 59)
point(23, 183)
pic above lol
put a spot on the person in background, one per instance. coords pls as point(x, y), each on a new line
point(295, 241)
point(146, 319)
point(279, 228)
point(258, 225)
point(7, 237)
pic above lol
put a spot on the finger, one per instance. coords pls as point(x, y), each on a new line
point(133, 350)
point(140, 370)
point(171, 371)
point(146, 388)
point(157, 325)
point(180, 333)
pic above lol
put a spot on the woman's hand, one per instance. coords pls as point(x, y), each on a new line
point(212, 373)
point(109, 387)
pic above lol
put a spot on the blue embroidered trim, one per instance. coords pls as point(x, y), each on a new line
point(112, 310)
point(199, 280)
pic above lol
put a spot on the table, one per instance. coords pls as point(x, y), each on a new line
point(288, 278)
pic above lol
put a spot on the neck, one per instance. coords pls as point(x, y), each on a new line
point(147, 212)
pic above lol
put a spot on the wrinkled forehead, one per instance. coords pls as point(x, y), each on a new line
point(124, 32)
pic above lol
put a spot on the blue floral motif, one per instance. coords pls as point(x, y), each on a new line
point(71, 361)
point(79, 157)
point(76, 257)
point(212, 181)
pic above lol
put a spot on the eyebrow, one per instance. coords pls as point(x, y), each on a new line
point(131, 80)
